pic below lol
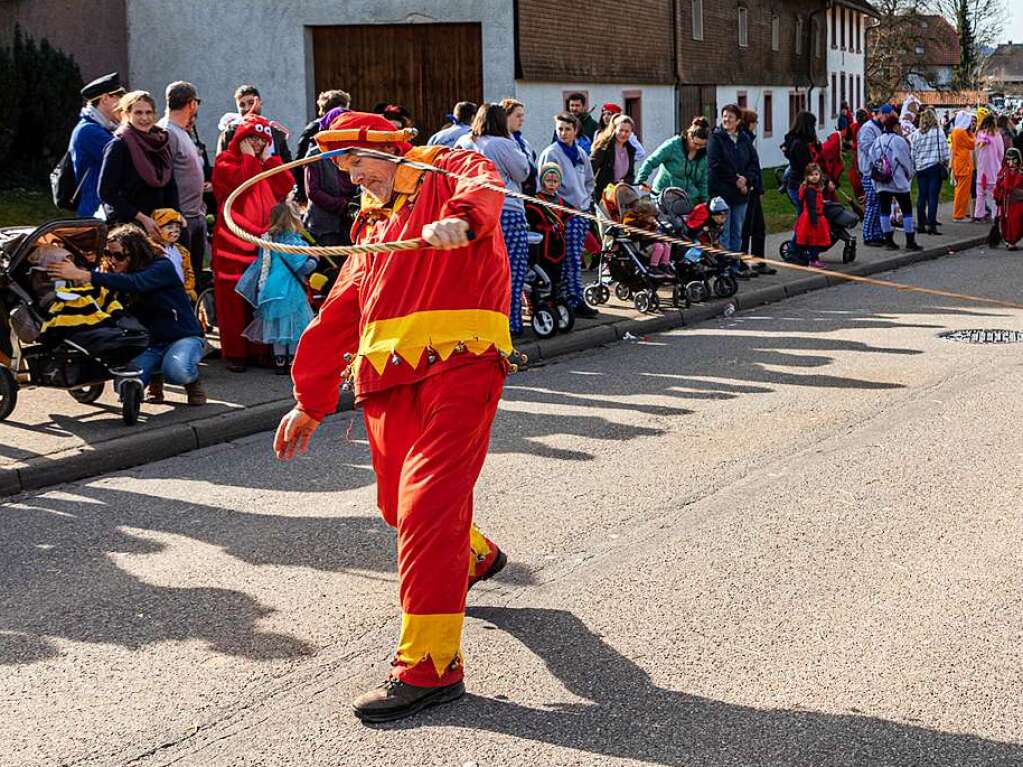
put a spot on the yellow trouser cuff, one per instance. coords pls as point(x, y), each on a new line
point(438, 636)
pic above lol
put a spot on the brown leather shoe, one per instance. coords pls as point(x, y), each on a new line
point(155, 393)
point(395, 699)
point(196, 393)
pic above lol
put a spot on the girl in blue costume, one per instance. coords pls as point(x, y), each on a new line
point(275, 285)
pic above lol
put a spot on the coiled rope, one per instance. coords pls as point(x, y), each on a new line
point(419, 243)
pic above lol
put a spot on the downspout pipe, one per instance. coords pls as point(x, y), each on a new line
point(811, 50)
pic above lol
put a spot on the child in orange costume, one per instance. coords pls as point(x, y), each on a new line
point(963, 143)
point(425, 334)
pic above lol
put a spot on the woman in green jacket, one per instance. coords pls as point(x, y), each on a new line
point(680, 161)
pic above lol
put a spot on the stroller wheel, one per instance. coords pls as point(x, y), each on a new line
point(645, 301)
point(131, 401)
point(87, 394)
point(206, 310)
point(725, 286)
point(622, 292)
point(8, 392)
point(679, 299)
point(849, 252)
point(696, 291)
point(592, 294)
point(605, 293)
point(566, 316)
point(785, 248)
point(544, 322)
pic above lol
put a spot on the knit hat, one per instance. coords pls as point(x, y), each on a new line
point(252, 126)
point(551, 167)
point(164, 216)
point(718, 205)
point(363, 129)
point(612, 108)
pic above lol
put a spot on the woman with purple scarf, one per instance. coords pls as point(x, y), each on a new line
point(137, 175)
point(331, 194)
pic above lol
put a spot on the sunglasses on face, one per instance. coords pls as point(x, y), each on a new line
point(116, 256)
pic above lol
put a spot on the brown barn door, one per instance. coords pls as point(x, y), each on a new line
point(424, 67)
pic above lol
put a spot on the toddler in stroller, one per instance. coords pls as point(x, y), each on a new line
point(707, 274)
point(549, 312)
point(622, 257)
point(63, 335)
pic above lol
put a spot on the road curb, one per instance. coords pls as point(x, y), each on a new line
point(166, 442)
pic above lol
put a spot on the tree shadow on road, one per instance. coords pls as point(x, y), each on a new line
point(626, 716)
point(62, 581)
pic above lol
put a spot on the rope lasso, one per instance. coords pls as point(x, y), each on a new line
point(419, 243)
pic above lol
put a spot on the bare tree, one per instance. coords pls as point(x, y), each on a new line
point(979, 23)
point(892, 45)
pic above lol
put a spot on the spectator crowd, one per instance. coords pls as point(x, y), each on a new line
point(148, 175)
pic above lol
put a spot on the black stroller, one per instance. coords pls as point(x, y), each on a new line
point(622, 261)
point(840, 221)
point(81, 362)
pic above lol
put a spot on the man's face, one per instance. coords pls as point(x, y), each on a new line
point(374, 175)
point(565, 131)
point(250, 102)
point(107, 105)
point(192, 110)
point(576, 107)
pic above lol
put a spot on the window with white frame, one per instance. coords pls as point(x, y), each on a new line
point(775, 33)
point(697, 19)
point(743, 27)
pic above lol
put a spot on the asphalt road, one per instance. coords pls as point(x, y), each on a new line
point(792, 537)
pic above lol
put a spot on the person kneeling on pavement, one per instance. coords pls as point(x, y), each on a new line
point(150, 287)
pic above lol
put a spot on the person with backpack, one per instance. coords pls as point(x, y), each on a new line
point(76, 179)
point(868, 133)
point(892, 171)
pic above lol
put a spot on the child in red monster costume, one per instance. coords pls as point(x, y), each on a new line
point(424, 335)
point(247, 155)
point(1009, 196)
point(812, 231)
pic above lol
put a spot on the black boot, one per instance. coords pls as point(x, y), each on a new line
point(395, 699)
point(889, 241)
point(911, 243)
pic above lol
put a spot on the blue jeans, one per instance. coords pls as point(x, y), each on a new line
point(177, 362)
point(731, 235)
point(929, 181)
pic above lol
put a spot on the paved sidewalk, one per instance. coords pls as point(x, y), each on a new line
point(50, 438)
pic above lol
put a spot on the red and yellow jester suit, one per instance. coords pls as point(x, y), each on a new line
point(428, 333)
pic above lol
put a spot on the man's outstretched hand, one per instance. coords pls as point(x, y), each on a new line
point(294, 432)
point(447, 233)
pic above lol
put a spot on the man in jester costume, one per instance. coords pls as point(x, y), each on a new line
point(423, 336)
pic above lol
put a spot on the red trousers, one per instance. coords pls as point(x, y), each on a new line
point(234, 314)
point(429, 440)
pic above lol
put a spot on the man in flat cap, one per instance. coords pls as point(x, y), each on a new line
point(95, 129)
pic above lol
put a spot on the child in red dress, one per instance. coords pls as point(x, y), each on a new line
point(1009, 196)
point(812, 232)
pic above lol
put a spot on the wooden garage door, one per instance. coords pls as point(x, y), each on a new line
point(424, 67)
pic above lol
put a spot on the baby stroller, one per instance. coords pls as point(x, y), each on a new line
point(703, 274)
point(80, 362)
point(840, 220)
point(549, 314)
point(622, 262)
